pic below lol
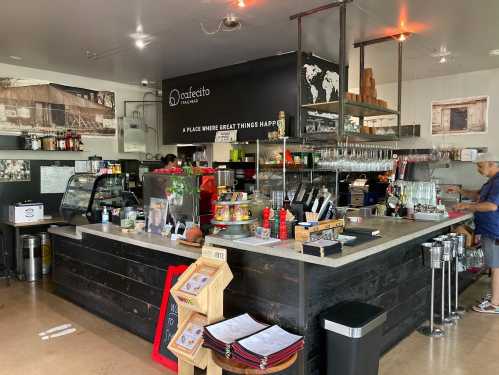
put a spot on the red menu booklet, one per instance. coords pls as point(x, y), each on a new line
point(250, 342)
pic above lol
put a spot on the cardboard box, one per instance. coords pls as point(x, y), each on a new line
point(26, 212)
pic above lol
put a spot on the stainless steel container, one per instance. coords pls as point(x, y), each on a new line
point(461, 245)
point(447, 253)
point(46, 252)
point(32, 256)
point(225, 177)
point(432, 255)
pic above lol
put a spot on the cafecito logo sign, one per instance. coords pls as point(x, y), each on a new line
point(187, 97)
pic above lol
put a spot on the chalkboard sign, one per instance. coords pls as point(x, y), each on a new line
point(166, 326)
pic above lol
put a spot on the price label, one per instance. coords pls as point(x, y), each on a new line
point(215, 253)
point(226, 136)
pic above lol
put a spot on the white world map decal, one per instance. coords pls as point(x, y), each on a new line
point(330, 82)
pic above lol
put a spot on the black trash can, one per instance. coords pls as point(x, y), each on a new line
point(354, 336)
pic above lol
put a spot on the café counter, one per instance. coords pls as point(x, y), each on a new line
point(120, 276)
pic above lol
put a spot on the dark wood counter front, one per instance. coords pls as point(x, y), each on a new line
point(120, 282)
point(123, 282)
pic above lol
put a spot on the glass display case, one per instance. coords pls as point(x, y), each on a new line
point(87, 194)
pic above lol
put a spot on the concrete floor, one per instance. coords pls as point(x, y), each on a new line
point(100, 348)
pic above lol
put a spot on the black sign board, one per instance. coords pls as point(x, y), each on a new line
point(246, 97)
point(167, 322)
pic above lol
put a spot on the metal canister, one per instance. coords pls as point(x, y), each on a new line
point(461, 245)
point(32, 257)
point(436, 256)
point(46, 252)
point(447, 252)
point(426, 247)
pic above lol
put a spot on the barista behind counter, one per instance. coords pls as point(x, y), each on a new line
point(169, 161)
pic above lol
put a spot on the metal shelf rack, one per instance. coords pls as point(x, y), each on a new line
point(342, 106)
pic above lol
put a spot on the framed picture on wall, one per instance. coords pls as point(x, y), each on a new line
point(460, 116)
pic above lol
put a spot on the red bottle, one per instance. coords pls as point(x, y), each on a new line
point(283, 230)
point(265, 218)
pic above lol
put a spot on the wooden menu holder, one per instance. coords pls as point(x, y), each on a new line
point(208, 302)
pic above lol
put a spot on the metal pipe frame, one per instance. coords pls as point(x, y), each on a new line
point(319, 9)
point(361, 78)
point(257, 165)
point(299, 64)
point(399, 90)
point(341, 94)
point(380, 40)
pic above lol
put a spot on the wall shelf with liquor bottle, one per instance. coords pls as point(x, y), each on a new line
point(60, 141)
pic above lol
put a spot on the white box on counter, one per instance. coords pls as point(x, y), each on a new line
point(26, 212)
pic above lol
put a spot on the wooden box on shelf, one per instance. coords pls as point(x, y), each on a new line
point(187, 342)
point(192, 289)
point(304, 234)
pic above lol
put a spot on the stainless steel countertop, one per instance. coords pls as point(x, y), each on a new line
point(394, 232)
point(145, 240)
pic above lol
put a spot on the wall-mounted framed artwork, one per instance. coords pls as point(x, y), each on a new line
point(460, 116)
point(15, 171)
point(40, 107)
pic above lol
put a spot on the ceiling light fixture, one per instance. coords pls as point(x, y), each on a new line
point(231, 22)
point(241, 3)
point(442, 55)
point(141, 39)
point(494, 52)
point(140, 43)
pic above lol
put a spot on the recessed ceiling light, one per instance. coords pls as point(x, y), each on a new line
point(13, 57)
point(140, 43)
point(231, 22)
point(494, 52)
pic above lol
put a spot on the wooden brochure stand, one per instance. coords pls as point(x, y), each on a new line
point(199, 294)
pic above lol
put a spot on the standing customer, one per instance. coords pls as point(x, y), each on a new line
point(486, 211)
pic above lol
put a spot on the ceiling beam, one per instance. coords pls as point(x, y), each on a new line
point(319, 9)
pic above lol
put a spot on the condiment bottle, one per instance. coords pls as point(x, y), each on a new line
point(265, 218)
point(69, 140)
point(281, 124)
point(283, 230)
point(276, 224)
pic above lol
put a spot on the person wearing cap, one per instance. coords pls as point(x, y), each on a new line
point(486, 211)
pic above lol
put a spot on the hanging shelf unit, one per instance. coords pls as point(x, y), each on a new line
point(344, 107)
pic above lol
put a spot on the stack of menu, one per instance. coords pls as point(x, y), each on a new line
point(250, 342)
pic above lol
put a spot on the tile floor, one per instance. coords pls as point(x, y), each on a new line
point(100, 348)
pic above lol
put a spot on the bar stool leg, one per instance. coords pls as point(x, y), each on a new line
point(430, 330)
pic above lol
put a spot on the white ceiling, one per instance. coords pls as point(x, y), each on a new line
point(54, 35)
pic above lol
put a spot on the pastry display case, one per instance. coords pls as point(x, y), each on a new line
point(87, 194)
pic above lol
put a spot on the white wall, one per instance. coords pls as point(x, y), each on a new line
point(417, 96)
point(107, 147)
